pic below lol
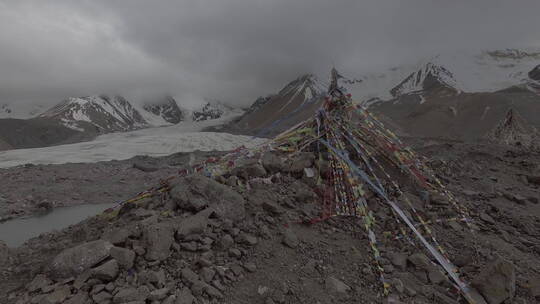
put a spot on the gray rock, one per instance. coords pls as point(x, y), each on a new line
point(436, 277)
point(158, 294)
point(226, 242)
point(189, 276)
point(515, 198)
point(235, 253)
point(420, 261)
point(102, 297)
point(57, 296)
point(169, 300)
point(497, 282)
point(74, 261)
point(290, 239)
point(194, 224)
point(116, 236)
point(272, 208)
point(79, 298)
point(185, 297)
point(272, 162)
point(38, 282)
point(155, 277)
point(125, 257)
point(207, 274)
point(106, 272)
point(127, 295)
point(399, 260)
point(486, 218)
point(158, 239)
point(247, 239)
point(196, 192)
point(336, 286)
point(212, 292)
point(247, 170)
point(251, 267)
point(298, 162)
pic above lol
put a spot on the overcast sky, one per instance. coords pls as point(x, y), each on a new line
point(232, 50)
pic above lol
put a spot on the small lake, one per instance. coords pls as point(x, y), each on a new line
point(16, 232)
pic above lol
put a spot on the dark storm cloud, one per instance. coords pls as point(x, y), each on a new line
point(233, 50)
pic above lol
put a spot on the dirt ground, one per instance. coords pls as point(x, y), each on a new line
point(289, 262)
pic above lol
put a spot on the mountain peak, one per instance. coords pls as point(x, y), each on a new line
point(428, 77)
point(105, 113)
point(308, 85)
point(165, 109)
point(211, 109)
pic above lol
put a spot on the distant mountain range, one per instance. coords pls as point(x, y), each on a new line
point(431, 102)
point(461, 96)
point(82, 118)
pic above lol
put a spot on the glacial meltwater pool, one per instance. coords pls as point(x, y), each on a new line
point(16, 232)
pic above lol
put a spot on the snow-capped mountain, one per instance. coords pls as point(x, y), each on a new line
point(162, 112)
point(105, 113)
point(269, 115)
point(465, 71)
point(429, 77)
point(212, 109)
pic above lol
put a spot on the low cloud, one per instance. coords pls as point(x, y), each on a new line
point(232, 50)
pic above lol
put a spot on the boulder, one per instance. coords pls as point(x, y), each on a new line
point(106, 272)
point(420, 261)
point(73, 261)
point(399, 260)
point(251, 168)
point(158, 294)
point(272, 162)
point(125, 257)
point(116, 236)
point(102, 297)
point(81, 297)
point(290, 239)
point(38, 282)
point(497, 282)
point(189, 276)
point(185, 297)
point(158, 239)
point(128, 294)
point(194, 224)
point(197, 192)
point(298, 162)
point(58, 296)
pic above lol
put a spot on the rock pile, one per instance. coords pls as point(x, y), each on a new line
point(513, 130)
